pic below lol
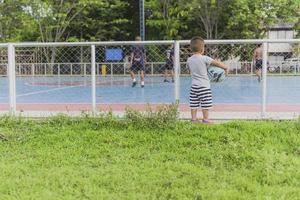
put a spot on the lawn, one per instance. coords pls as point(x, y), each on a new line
point(108, 158)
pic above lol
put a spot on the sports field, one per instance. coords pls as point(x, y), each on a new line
point(148, 156)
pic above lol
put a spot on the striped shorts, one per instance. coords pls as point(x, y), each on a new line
point(200, 96)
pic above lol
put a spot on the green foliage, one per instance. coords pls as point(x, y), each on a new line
point(165, 18)
point(86, 158)
point(94, 20)
point(164, 117)
point(251, 19)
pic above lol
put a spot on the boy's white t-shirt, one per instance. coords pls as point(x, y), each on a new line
point(198, 65)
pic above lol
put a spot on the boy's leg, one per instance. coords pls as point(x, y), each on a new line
point(205, 113)
point(172, 75)
point(133, 76)
point(142, 78)
point(194, 102)
point(194, 114)
point(258, 67)
point(206, 103)
point(166, 75)
point(258, 74)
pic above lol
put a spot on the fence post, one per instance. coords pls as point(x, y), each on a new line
point(93, 74)
point(177, 70)
point(12, 79)
point(264, 80)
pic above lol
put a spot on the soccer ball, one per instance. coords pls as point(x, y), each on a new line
point(215, 74)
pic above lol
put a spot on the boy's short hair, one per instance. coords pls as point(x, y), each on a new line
point(138, 38)
point(197, 44)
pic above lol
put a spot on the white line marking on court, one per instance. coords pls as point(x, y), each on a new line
point(44, 91)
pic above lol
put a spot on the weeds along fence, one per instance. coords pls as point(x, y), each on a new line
point(27, 68)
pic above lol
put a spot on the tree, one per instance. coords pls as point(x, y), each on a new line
point(251, 19)
point(165, 18)
point(102, 20)
point(15, 25)
point(210, 15)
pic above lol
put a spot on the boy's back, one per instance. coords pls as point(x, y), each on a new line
point(198, 65)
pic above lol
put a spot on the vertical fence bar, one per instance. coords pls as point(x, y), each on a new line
point(177, 70)
point(32, 70)
point(71, 69)
point(124, 68)
point(93, 74)
point(264, 80)
point(111, 69)
point(298, 58)
point(19, 69)
point(280, 68)
point(12, 79)
point(84, 69)
point(152, 69)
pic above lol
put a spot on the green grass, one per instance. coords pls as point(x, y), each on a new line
point(107, 158)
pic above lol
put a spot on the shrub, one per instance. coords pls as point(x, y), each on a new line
point(163, 117)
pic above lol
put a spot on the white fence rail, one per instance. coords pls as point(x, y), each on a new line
point(154, 68)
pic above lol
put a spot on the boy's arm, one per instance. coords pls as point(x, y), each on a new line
point(254, 55)
point(220, 65)
point(131, 58)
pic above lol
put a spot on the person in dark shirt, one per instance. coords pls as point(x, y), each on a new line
point(258, 57)
point(169, 66)
point(137, 62)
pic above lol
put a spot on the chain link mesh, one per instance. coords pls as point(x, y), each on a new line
point(114, 65)
point(59, 78)
point(53, 78)
point(283, 92)
point(4, 89)
point(239, 57)
point(116, 59)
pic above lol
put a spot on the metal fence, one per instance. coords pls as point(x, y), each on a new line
point(66, 77)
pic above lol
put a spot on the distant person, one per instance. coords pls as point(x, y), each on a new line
point(258, 54)
point(169, 66)
point(137, 62)
point(200, 92)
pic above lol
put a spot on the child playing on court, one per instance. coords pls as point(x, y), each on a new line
point(138, 59)
point(169, 66)
point(258, 57)
point(200, 93)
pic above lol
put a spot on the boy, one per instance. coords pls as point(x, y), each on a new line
point(169, 66)
point(258, 54)
point(200, 93)
point(137, 62)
